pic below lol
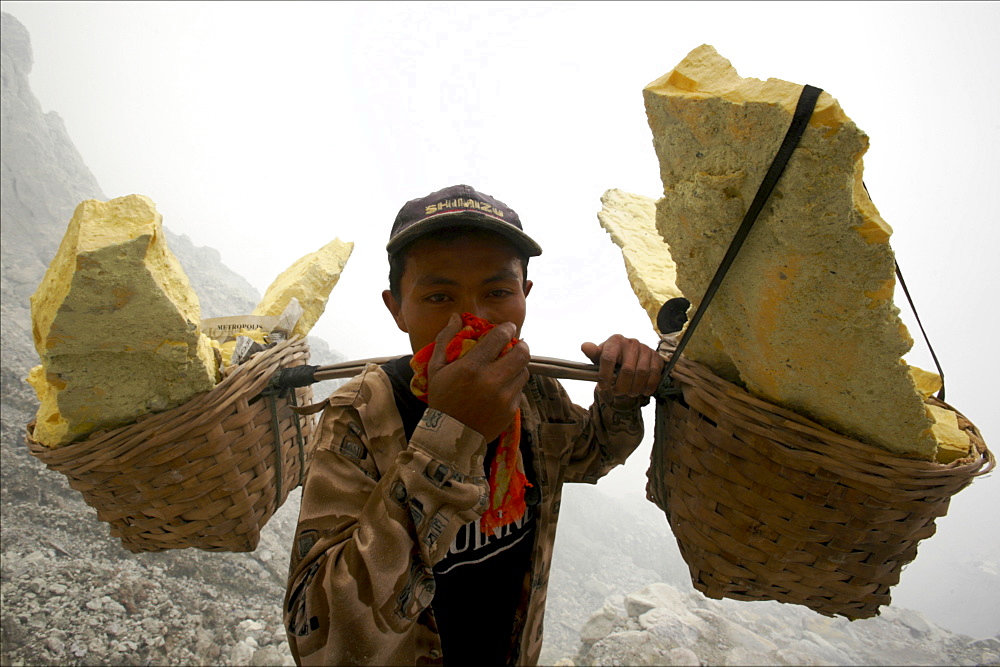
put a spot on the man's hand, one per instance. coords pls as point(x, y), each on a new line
point(481, 390)
point(627, 367)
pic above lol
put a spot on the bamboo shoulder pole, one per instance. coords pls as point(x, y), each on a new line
point(556, 368)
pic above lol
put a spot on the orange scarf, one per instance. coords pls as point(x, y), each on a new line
point(507, 479)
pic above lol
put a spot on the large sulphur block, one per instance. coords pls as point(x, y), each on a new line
point(630, 219)
point(310, 280)
point(805, 317)
point(115, 324)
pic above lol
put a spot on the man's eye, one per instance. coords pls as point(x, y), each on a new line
point(438, 298)
point(500, 293)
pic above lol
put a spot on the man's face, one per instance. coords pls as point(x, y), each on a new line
point(478, 273)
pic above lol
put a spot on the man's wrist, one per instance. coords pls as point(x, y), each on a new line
point(622, 403)
point(446, 439)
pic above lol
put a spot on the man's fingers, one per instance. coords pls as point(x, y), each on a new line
point(628, 374)
point(655, 365)
point(645, 379)
point(610, 354)
point(486, 351)
point(511, 369)
point(482, 389)
point(626, 366)
point(489, 346)
point(438, 357)
point(592, 352)
point(516, 358)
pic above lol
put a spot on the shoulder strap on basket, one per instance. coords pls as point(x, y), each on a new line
point(909, 299)
point(800, 119)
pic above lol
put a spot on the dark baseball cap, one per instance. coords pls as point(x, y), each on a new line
point(458, 206)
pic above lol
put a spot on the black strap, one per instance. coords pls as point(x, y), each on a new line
point(296, 376)
point(902, 283)
point(803, 112)
point(909, 299)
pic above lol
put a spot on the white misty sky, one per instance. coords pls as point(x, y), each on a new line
point(266, 129)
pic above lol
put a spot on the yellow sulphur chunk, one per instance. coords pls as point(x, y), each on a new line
point(804, 318)
point(310, 280)
point(953, 442)
point(926, 382)
point(115, 324)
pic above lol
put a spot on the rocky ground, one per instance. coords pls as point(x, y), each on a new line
point(662, 625)
point(71, 595)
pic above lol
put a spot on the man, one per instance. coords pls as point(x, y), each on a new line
point(428, 517)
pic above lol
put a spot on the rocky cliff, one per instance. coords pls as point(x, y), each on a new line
point(70, 593)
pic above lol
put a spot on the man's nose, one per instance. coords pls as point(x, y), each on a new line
point(476, 307)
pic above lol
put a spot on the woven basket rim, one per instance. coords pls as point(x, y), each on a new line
point(687, 372)
point(766, 504)
point(248, 378)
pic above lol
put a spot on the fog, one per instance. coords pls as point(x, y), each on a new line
point(266, 129)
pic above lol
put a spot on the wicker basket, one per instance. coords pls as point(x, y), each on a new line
point(767, 505)
point(206, 474)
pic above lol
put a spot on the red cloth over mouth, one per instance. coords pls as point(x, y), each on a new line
point(507, 479)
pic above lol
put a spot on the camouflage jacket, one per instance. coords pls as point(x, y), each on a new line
point(378, 512)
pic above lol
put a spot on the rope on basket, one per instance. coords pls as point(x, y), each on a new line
point(274, 391)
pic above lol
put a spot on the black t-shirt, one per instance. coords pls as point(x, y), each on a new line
point(489, 569)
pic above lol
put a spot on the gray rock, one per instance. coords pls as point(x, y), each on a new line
point(732, 634)
point(651, 597)
point(743, 656)
point(696, 600)
point(625, 648)
point(152, 625)
point(250, 626)
point(77, 649)
point(682, 657)
point(915, 621)
point(267, 657)
point(242, 653)
point(910, 654)
point(670, 631)
point(600, 624)
point(113, 607)
point(988, 643)
point(825, 649)
point(37, 557)
point(795, 655)
point(656, 616)
point(55, 645)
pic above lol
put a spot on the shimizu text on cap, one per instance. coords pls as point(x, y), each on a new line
point(458, 206)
